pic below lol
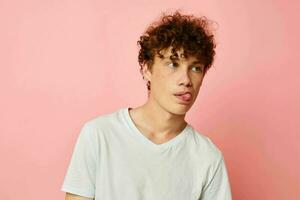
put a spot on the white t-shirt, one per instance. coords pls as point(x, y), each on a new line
point(113, 160)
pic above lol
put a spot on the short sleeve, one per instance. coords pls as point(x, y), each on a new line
point(218, 188)
point(81, 173)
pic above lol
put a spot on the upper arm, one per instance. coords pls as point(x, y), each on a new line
point(81, 174)
point(70, 196)
point(218, 188)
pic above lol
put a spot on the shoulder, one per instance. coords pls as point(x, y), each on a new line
point(204, 147)
point(96, 128)
point(104, 120)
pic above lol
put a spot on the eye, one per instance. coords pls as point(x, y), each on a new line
point(198, 69)
point(173, 64)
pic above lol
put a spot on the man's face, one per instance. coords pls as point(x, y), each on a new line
point(169, 77)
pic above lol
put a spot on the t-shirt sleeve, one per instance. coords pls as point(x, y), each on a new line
point(81, 173)
point(218, 187)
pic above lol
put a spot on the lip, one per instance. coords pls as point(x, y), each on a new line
point(182, 100)
point(184, 92)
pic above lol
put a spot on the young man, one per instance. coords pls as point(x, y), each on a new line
point(150, 152)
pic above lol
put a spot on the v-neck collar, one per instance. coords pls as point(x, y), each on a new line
point(142, 138)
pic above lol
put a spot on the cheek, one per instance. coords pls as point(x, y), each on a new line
point(162, 80)
point(163, 86)
point(198, 83)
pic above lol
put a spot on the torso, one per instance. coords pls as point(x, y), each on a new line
point(147, 133)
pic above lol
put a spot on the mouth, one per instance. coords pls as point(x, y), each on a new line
point(185, 98)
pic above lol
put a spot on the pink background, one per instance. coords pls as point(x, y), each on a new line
point(65, 62)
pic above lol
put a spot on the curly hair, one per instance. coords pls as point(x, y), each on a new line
point(177, 31)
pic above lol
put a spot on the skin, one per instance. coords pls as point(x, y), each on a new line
point(162, 117)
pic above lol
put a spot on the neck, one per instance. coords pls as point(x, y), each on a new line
point(157, 121)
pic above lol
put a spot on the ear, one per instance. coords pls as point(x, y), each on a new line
point(147, 72)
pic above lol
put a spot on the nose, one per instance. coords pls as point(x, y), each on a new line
point(185, 79)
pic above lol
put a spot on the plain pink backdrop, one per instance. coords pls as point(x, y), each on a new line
point(65, 62)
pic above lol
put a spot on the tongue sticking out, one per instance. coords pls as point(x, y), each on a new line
point(186, 96)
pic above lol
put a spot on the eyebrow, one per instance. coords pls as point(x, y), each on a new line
point(198, 62)
point(176, 58)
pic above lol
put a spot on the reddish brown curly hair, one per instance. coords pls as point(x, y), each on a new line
point(177, 31)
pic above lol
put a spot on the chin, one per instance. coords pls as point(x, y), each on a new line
point(181, 109)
